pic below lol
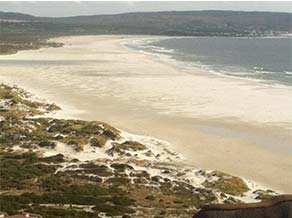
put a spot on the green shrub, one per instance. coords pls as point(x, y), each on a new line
point(47, 212)
point(87, 189)
point(150, 197)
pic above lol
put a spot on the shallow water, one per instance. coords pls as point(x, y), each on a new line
point(266, 60)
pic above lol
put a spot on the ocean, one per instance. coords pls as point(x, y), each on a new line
point(266, 60)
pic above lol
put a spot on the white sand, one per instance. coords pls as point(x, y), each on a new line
point(227, 124)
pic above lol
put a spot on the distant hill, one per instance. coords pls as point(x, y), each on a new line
point(21, 31)
point(185, 23)
point(16, 16)
point(190, 23)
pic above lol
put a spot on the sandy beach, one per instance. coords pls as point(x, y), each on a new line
point(227, 124)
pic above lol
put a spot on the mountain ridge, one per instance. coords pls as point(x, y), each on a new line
point(210, 22)
point(22, 31)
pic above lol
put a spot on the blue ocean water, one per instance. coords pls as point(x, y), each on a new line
point(266, 60)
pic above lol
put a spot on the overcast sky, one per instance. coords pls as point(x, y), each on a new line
point(63, 9)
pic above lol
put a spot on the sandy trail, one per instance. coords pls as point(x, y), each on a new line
point(227, 124)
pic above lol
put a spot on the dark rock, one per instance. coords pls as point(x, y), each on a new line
point(88, 165)
point(72, 142)
point(167, 180)
point(78, 148)
point(180, 174)
point(149, 153)
point(58, 137)
point(156, 178)
point(121, 167)
point(132, 145)
point(140, 173)
point(140, 180)
point(48, 144)
point(278, 207)
point(100, 170)
point(264, 195)
point(110, 134)
point(115, 149)
point(55, 158)
point(166, 171)
point(75, 160)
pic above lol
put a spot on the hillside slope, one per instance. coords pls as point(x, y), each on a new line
point(21, 31)
point(191, 23)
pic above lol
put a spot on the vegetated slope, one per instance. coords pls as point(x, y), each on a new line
point(190, 23)
point(21, 31)
point(75, 168)
point(185, 23)
point(16, 16)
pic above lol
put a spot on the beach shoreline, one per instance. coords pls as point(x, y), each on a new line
point(191, 134)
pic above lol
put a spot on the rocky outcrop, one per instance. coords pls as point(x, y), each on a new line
point(277, 207)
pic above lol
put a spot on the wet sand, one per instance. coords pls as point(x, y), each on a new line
point(227, 124)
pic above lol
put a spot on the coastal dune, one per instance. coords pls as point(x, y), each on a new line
point(215, 122)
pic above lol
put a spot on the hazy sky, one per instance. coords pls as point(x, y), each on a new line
point(61, 9)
